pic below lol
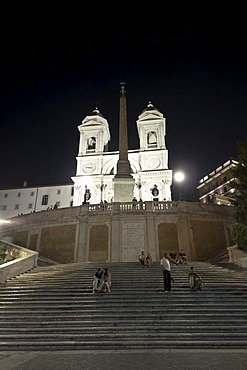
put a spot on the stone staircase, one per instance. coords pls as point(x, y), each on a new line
point(53, 308)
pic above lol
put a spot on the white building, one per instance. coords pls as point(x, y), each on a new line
point(25, 200)
point(96, 168)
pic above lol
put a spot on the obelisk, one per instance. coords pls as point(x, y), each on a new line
point(123, 181)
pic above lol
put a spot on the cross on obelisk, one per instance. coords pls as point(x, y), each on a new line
point(123, 181)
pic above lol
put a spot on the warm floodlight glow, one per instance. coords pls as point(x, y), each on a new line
point(4, 221)
point(179, 176)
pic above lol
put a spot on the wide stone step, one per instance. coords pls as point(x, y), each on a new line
point(123, 336)
point(56, 316)
point(135, 310)
point(70, 327)
point(88, 323)
point(130, 344)
point(125, 307)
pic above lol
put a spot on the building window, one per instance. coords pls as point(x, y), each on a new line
point(152, 139)
point(32, 194)
point(30, 206)
point(72, 190)
point(59, 192)
point(6, 195)
point(18, 195)
point(91, 143)
point(44, 200)
point(17, 206)
point(71, 203)
point(3, 208)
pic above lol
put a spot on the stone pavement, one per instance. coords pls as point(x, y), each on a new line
point(125, 360)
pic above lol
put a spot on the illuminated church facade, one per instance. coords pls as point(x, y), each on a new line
point(96, 169)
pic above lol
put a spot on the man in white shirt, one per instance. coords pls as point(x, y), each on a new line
point(165, 263)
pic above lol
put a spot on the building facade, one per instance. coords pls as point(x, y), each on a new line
point(216, 187)
point(96, 168)
point(21, 201)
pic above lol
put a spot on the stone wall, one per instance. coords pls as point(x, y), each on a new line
point(119, 232)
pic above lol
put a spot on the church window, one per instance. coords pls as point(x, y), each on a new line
point(152, 139)
point(44, 200)
point(91, 143)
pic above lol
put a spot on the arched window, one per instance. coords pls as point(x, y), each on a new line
point(152, 139)
point(91, 143)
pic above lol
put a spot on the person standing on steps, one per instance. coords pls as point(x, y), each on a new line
point(134, 203)
point(166, 266)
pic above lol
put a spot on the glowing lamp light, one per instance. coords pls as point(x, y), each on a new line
point(179, 176)
point(4, 221)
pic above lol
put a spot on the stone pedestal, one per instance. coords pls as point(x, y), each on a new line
point(123, 189)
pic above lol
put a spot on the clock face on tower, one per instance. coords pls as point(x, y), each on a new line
point(89, 167)
point(153, 162)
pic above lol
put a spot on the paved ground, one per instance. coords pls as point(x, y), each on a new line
point(136, 360)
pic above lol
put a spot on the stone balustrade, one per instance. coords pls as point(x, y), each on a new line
point(25, 260)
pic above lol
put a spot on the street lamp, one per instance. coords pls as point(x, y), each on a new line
point(179, 177)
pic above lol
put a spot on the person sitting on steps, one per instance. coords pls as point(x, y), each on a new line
point(107, 280)
point(148, 260)
point(173, 257)
point(98, 281)
point(195, 279)
point(141, 258)
point(183, 258)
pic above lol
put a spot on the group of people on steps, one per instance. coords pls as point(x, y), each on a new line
point(195, 280)
point(145, 259)
point(102, 277)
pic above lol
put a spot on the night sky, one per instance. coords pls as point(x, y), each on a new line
point(56, 69)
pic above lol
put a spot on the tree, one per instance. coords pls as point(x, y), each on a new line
point(239, 229)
